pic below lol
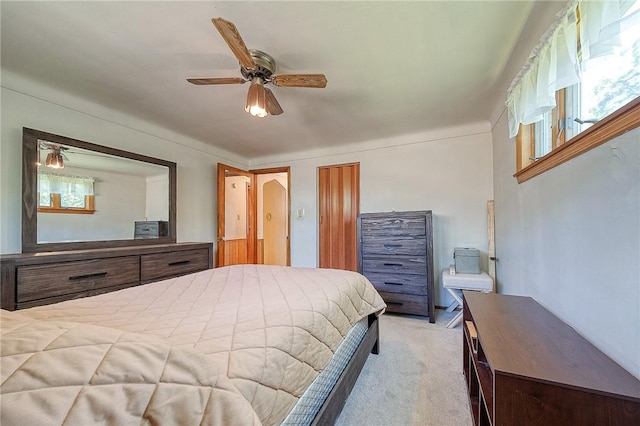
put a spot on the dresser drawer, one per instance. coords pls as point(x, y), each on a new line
point(393, 246)
point(406, 303)
point(396, 265)
point(393, 226)
point(398, 283)
point(166, 265)
point(42, 281)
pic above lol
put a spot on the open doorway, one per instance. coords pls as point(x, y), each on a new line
point(253, 216)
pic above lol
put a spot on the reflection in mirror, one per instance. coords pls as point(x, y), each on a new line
point(80, 195)
point(93, 196)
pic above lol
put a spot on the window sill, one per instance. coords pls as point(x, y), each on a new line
point(66, 211)
point(617, 123)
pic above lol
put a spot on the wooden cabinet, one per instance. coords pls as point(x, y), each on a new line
point(395, 252)
point(524, 366)
point(35, 279)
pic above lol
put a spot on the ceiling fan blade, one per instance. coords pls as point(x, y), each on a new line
point(273, 107)
point(230, 34)
point(221, 80)
point(300, 80)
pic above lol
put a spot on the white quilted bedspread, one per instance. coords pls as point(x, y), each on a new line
point(271, 329)
point(56, 373)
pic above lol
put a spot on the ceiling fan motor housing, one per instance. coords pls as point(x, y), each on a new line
point(265, 66)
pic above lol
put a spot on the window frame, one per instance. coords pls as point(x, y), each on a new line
point(56, 206)
point(613, 125)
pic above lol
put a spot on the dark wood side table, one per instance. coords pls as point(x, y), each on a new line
point(524, 366)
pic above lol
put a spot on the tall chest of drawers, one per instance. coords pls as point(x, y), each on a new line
point(395, 252)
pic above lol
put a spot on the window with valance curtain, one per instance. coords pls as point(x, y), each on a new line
point(65, 193)
point(64, 184)
point(584, 30)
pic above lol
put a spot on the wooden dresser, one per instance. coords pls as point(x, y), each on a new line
point(395, 252)
point(33, 279)
point(524, 366)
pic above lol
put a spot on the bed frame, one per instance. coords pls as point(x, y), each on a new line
point(332, 407)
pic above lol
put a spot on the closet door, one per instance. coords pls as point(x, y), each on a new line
point(339, 205)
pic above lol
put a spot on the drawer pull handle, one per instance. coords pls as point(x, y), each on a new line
point(392, 245)
point(82, 277)
point(394, 303)
point(392, 264)
point(180, 262)
point(392, 283)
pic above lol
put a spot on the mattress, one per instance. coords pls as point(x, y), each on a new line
point(308, 406)
point(270, 330)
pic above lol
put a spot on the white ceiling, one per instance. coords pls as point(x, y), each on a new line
point(79, 158)
point(393, 68)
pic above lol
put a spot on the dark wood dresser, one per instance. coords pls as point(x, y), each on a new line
point(395, 252)
point(524, 366)
point(33, 279)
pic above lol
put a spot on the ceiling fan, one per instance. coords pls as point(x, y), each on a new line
point(55, 158)
point(257, 68)
point(57, 154)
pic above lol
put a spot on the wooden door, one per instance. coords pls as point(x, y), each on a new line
point(236, 216)
point(274, 200)
point(339, 205)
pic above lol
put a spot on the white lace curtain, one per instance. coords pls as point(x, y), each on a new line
point(65, 184)
point(557, 61)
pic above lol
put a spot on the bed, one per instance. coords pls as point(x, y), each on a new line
point(245, 344)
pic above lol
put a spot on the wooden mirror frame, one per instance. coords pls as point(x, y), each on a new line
point(30, 243)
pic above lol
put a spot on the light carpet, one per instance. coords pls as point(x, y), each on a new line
point(416, 379)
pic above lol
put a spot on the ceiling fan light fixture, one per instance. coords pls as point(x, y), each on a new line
point(256, 99)
point(54, 160)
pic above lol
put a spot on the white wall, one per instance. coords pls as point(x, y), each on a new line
point(448, 171)
point(28, 104)
point(570, 238)
point(157, 205)
point(235, 213)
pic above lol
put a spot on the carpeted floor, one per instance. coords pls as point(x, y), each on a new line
point(415, 380)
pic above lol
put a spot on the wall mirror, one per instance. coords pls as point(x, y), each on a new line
point(80, 195)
